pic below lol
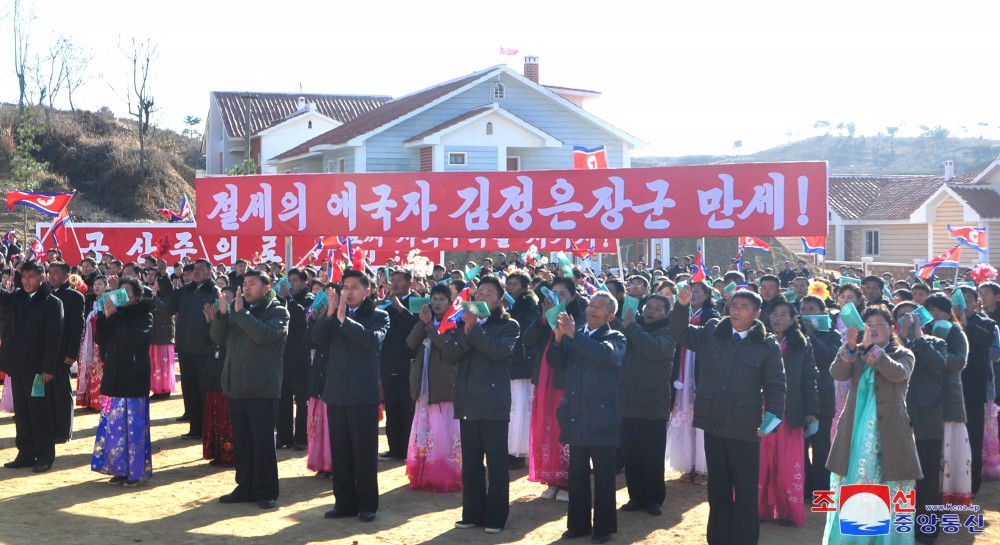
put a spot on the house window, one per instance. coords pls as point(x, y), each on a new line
point(513, 164)
point(489, 128)
point(310, 124)
point(871, 242)
point(341, 165)
point(456, 158)
point(498, 91)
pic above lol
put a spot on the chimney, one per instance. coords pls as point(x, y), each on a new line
point(949, 170)
point(301, 105)
point(531, 68)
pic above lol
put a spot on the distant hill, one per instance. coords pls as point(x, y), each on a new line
point(861, 154)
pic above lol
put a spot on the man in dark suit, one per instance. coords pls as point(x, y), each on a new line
point(737, 361)
point(295, 381)
point(353, 330)
point(69, 349)
point(30, 349)
point(395, 368)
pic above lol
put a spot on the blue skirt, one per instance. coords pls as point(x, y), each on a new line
point(123, 447)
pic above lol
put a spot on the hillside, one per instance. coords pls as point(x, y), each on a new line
point(97, 155)
point(861, 154)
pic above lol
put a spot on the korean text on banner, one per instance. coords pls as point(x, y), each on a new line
point(768, 199)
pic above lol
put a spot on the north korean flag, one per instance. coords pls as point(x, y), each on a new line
point(590, 159)
point(950, 258)
point(754, 242)
point(47, 203)
point(814, 245)
point(973, 237)
point(699, 274)
point(455, 311)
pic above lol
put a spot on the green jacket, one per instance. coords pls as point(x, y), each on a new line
point(255, 343)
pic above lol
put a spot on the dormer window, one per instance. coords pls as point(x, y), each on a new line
point(489, 128)
point(310, 124)
point(498, 91)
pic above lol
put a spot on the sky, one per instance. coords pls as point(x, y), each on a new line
point(686, 78)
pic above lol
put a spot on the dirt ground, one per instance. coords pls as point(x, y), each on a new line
point(72, 504)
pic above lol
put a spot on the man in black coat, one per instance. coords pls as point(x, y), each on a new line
point(69, 349)
point(30, 348)
point(976, 377)
point(592, 355)
point(353, 330)
point(193, 342)
point(295, 380)
point(481, 347)
point(395, 366)
point(737, 362)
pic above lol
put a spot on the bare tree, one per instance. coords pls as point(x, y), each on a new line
point(140, 99)
point(22, 17)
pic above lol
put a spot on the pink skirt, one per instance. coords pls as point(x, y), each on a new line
point(6, 397)
point(434, 455)
point(956, 465)
point(318, 457)
point(162, 379)
point(991, 445)
point(782, 476)
point(548, 460)
point(92, 397)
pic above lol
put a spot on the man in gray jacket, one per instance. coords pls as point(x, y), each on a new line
point(254, 333)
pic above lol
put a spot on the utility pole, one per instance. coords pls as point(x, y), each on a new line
point(247, 101)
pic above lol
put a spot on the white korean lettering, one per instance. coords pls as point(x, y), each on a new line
point(518, 199)
point(184, 246)
point(768, 198)
point(419, 203)
point(657, 206)
point(714, 200)
point(225, 208)
point(95, 242)
point(260, 206)
point(478, 219)
point(345, 204)
point(143, 245)
point(612, 200)
point(294, 204)
point(562, 192)
point(382, 206)
point(267, 250)
point(227, 250)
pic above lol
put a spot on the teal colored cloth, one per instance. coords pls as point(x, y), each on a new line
point(865, 467)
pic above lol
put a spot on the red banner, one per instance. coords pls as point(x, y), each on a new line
point(133, 241)
point(767, 199)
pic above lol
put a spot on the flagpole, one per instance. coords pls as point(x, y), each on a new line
point(704, 258)
point(79, 247)
point(203, 248)
point(621, 268)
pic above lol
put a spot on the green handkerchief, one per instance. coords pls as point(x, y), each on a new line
point(941, 329)
point(923, 315)
point(848, 280)
point(477, 308)
point(38, 386)
point(849, 314)
point(417, 303)
point(820, 322)
point(630, 303)
point(958, 300)
point(790, 296)
point(119, 297)
point(553, 315)
point(730, 288)
point(320, 300)
point(769, 423)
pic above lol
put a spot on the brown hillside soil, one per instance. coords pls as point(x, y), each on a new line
point(71, 504)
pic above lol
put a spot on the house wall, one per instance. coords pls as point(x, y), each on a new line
point(282, 138)
point(476, 158)
point(385, 152)
point(214, 139)
point(993, 241)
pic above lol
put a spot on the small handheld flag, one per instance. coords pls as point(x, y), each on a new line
point(814, 245)
point(9, 237)
point(454, 313)
point(174, 217)
point(50, 204)
point(754, 242)
point(973, 237)
point(948, 259)
point(699, 274)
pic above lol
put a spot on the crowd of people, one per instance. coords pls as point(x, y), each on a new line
point(765, 387)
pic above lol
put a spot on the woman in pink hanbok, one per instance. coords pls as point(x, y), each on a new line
point(318, 455)
point(782, 473)
point(434, 456)
point(91, 366)
point(685, 443)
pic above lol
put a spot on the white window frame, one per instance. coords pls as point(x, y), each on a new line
point(498, 91)
point(456, 154)
point(872, 242)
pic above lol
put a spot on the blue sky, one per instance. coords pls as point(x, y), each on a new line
point(687, 79)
